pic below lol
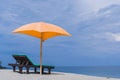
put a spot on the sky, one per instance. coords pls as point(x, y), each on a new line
point(94, 26)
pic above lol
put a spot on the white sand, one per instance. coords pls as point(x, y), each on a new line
point(10, 75)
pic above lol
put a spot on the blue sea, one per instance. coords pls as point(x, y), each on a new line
point(109, 72)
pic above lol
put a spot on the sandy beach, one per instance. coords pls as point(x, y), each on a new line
point(10, 75)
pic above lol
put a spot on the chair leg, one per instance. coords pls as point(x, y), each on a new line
point(20, 69)
point(27, 68)
point(42, 70)
point(14, 68)
point(49, 71)
point(35, 69)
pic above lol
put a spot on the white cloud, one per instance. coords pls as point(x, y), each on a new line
point(114, 36)
point(109, 36)
point(94, 5)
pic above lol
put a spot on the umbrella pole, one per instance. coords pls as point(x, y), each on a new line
point(41, 57)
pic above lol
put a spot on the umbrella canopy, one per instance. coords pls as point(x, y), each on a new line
point(42, 31)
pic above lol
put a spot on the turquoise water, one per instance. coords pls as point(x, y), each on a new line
point(110, 72)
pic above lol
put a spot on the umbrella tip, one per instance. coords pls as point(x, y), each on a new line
point(70, 35)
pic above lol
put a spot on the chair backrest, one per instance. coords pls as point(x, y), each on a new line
point(22, 59)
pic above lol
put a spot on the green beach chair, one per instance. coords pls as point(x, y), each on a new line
point(23, 61)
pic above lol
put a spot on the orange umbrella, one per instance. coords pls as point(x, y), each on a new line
point(42, 31)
